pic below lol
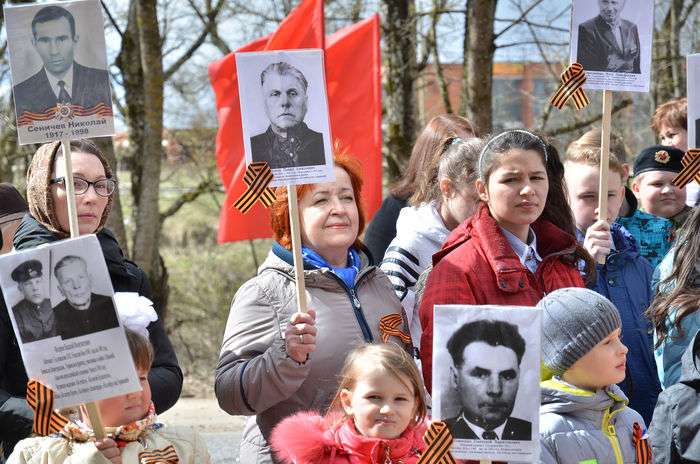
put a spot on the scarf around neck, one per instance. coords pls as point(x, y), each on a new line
point(79, 431)
point(346, 274)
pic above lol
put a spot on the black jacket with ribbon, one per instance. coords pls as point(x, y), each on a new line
point(165, 376)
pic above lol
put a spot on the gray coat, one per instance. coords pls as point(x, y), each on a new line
point(255, 377)
point(674, 432)
point(573, 423)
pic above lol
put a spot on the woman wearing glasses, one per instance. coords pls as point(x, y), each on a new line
point(48, 221)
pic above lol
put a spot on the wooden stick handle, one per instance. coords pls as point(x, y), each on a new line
point(604, 161)
point(95, 420)
point(70, 190)
point(296, 247)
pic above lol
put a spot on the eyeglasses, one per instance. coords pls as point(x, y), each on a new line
point(103, 187)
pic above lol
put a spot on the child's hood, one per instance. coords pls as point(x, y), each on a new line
point(560, 397)
point(307, 437)
point(690, 362)
point(424, 221)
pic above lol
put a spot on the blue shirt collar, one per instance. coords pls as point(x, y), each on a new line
point(523, 250)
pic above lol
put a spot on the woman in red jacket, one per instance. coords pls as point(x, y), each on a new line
point(507, 253)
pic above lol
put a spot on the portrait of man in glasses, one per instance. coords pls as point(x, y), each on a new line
point(60, 79)
point(288, 141)
point(82, 312)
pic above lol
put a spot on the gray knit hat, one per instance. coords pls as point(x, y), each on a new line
point(574, 320)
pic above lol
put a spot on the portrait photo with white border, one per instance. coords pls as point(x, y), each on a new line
point(612, 40)
point(284, 112)
point(486, 373)
point(82, 352)
point(58, 61)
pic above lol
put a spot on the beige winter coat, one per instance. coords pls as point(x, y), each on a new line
point(188, 445)
point(256, 377)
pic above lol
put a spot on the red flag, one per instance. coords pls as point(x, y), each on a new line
point(358, 131)
point(355, 101)
point(303, 28)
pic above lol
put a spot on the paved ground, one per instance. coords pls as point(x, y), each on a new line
point(221, 431)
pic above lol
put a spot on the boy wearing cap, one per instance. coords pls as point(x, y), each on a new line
point(33, 313)
point(654, 171)
point(584, 416)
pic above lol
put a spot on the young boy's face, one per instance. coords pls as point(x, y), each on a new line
point(657, 195)
point(582, 187)
point(602, 366)
point(676, 137)
point(128, 408)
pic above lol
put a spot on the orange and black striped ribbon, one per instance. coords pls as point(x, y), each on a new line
point(691, 168)
point(166, 455)
point(439, 440)
point(572, 80)
point(389, 325)
point(40, 399)
point(641, 445)
point(257, 177)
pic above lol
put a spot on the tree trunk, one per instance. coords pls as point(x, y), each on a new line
point(145, 251)
point(401, 73)
point(668, 76)
point(479, 49)
point(115, 221)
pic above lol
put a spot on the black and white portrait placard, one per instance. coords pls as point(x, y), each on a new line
point(60, 300)
point(284, 110)
point(59, 71)
point(612, 40)
point(486, 380)
point(693, 62)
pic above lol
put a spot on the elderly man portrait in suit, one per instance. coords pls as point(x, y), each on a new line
point(61, 79)
point(608, 42)
point(82, 312)
point(33, 313)
point(486, 355)
point(288, 141)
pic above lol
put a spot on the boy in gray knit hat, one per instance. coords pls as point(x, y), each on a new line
point(584, 415)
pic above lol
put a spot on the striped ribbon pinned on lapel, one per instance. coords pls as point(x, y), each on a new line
point(258, 176)
point(40, 399)
point(439, 440)
point(389, 326)
point(691, 168)
point(166, 455)
point(572, 80)
point(641, 444)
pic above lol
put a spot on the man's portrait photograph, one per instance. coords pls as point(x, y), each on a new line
point(33, 312)
point(83, 311)
point(486, 372)
point(285, 112)
point(58, 63)
point(613, 36)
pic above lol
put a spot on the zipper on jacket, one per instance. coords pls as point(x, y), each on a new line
point(356, 307)
point(611, 433)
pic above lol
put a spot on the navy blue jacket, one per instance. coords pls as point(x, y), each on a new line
point(625, 279)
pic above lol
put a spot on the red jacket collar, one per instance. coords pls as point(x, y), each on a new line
point(410, 443)
point(552, 241)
